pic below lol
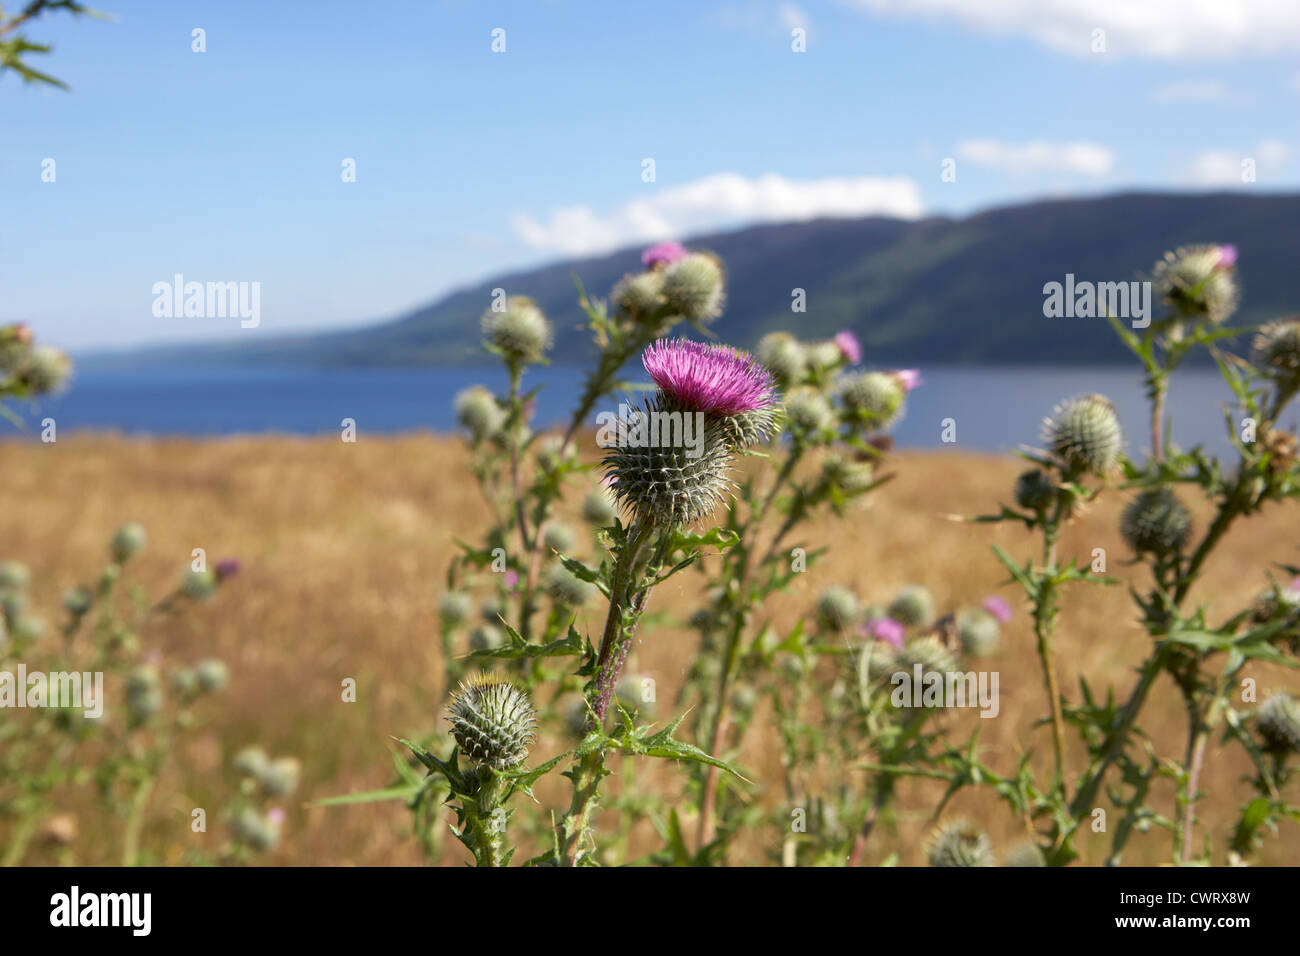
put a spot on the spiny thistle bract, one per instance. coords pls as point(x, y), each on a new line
point(877, 396)
point(693, 287)
point(836, 609)
point(1085, 435)
point(519, 331)
point(979, 632)
point(1278, 721)
point(492, 721)
point(127, 541)
point(959, 843)
point(478, 411)
point(912, 606)
point(1277, 350)
point(1200, 282)
point(1035, 490)
point(565, 587)
point(1156, 523)
point(782, 355)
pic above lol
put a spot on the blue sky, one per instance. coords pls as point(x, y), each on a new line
point(225, 165)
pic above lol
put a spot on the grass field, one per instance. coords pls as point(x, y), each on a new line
point(344, 548)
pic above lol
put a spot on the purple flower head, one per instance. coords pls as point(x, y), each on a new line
point(227, 568)
point(1227, 256)
point(512, 578)
point(709, 378)
point(663, 254)
point(1295, 584)
point(275, 815)
point(885, 629)
point(998, 608)
point(849, 345)
point(909, 378)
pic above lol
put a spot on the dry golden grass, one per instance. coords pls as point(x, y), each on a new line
point(344, 548)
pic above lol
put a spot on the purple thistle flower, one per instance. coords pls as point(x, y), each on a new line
point(663, 254)
point(512, 578)
point(998, 608)
point(227, 568)
point(885, 629)
point(275, 815)
point(909, 378)
point(1227, 256)
point(715, 379)
point(849, 345)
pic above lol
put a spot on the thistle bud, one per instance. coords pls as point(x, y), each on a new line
point(478, 411)
point(456, 608)
point(520, 332)
point(28, 628)
point(127, 541)
point(912, 606)
point(259, 832)
point(14, 576)
point(630, 692)
point(198, 585)
point(486, 637)
point(823, 356)
point(1085, 436)
point(566, 588)
point(640, 295)
point(1025, 854)
point(45, 369)
point(930, 653)
point(845, 474)
point(1277, 350)
point(979, 632)
point(492, 721)
point(782, 355)
point(1200, 282)
point(558, 536)
point(599, 507)
point(876, 397)
point(693, 287)
point(279, 777)
point(808, 412)
point(552, 452)
point(836, 609)
point(959, 843)
point(143, 694)
point(212, 675)
point(1278, 721)
point(251, 762)
point(185, 682)
point(78, 601)
point(1035, 490)
point(1156, 523)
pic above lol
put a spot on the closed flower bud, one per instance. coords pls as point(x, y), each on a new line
point(846, 474)
point(1035, 490)
point(823, 356)
point(212, 675)
point(1025, 854)
point(566, 588)
point(807, 411)
point(1277, 351)
point(492, 721)
point(78, 601)
point(552, 452)
point(1200, 282)
point(478, 411)
point(198, 585)
point(558, 536)
point(930, 653)
point(185, 682)
point(1278, 721)
point(14, 576)
point(1085, 436)
point(143, 693)
point(127, 541)
point(693, 287)
point(258, 831)
point(640, 295)
point(456, 608)
point(520, 332)
point(912, 606)
point(874, 397)
point(46, 369)
point(979, 632)
point(1156, 523)
point(575, 715)
point(837, 609)
point(486, 637)
point(782, 355)
point(251, 762)
point(28, 628)
point(959, 843)
point(630, 691)
point(279, 777)
point(599, 507)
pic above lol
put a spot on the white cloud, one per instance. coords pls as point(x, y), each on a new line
point(1193, 91)
point(1081, 158)
point(717, 201)
point(1163, 29)
point(1223, 167)
point(792, 16)
point(762, 18)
